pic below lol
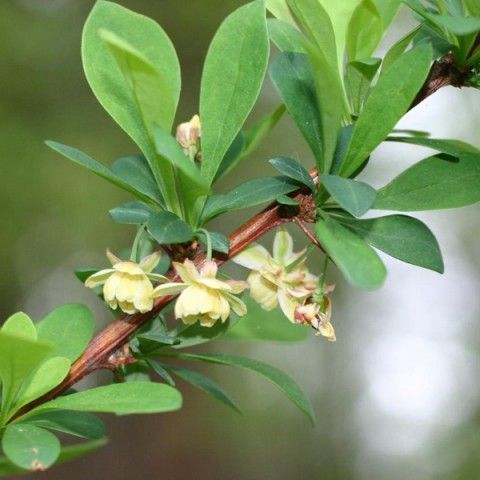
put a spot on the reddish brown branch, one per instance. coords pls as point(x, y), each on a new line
point(117, 333)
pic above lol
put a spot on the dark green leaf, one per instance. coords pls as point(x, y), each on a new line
point(79, 424)
point(84, 272)
point(399, 84)
point(354, 196)
point(99, 169)
point(232, 78)
point(359, 76)
point(233, 156)
point(249, 194)
point(190, 335)
point(131, 213)
point(120, 398)
point(220, 243)
point(166, 227)
point(205, 384)
point(293, 169)
point(402, 237)
point(277, 377)
point(434, 183)
point(450, 147)
point(293, 78)
point(352, 255)
point(69, 328)
point(286, 200)
point(161, 371)
point(30, 447)
point(458, 25)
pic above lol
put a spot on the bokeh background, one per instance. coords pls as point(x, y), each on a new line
point(398, 395)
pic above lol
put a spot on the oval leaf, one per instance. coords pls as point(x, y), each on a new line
point(30, 447)
point(131, 213)
point(354, 196)
point(232, 77)
point(434, 183)
point(353, 256)
point(166, 227)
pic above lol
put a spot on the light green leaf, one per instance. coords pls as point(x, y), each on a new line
point(48, 375)
point(248, 194)
point(354, 196)
point(139, 82)
point(402, 237)
point(258, 324)
point(20, 325)
point(285, 36)
point(135, 171)
point(30, 447)
point(205, 384)
point(399, 48)
point(365, 30)
point(132, 213)
point(276, 376)
point(293, 169)
point(79, 424)
point(359, 76)
point(19, 357)
point(434, 183)
point(387, 103)
point(450, 147)
point(293, 78)
point(166, 227)
point(359, 263)
point(473, 7)
point(120, 398)
point(388, 9)
point(279, 9)
point(232, 77)
point(101, 170)
point(69, 328)
point(458, 25)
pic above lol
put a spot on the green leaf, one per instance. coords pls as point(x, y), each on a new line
point(387, 103)
point(205, 384)
point(48, 375)
point(20, 325)
point(359, 263)
point(135, 171)
point(365, 30)
point(402, 237)
point(131, 213)
point(354, 196)
point(30, 447)
point(387, 10)
point(83, 273)
point(473, 7)
point(434, 183)
point(285, 36)
point(232, 77)
point(293, 169)
point(99, 169)
point(458, 25)
point(69, 328)
point(293, 78)
point(134, 73)
point(190, 335)
point(119, 398)
point(19, 357)
point(166, 227)
point(399, 48)
point(248, 194)
point(259, 324)
point(286, 200)
point(66, 454)
point(276, 376)
point(359, 77)
point(220, 243)
point(279, 9)
point(79, 424)
point(450, 147)
point(161, 371)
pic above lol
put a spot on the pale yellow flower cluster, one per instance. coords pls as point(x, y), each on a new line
point(318, 316)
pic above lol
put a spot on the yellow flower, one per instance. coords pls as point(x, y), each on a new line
point(128, 284)
point(273, 281)
point(203, 297)
point(188, 136)
point(318, 316)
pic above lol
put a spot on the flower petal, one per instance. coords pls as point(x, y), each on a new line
point(253, 257)
point(168, 289)
point(187, 271)
point(112, 258)
point(156, 277)
point(262, 291)
point(237, 286)
point(237, 305)
point(98, 278)
point(147, 264)
point(209, 269)
point(288, 304)
point(215, 284)
point(282, 246)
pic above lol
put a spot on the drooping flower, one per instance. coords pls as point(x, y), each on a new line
point(128, 284)
point(282, 279)
point(318, 315)
point(203, 297)
point(188, 136)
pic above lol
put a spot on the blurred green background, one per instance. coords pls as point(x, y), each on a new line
point(397, 397)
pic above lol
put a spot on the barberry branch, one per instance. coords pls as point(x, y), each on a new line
point(114, 336)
